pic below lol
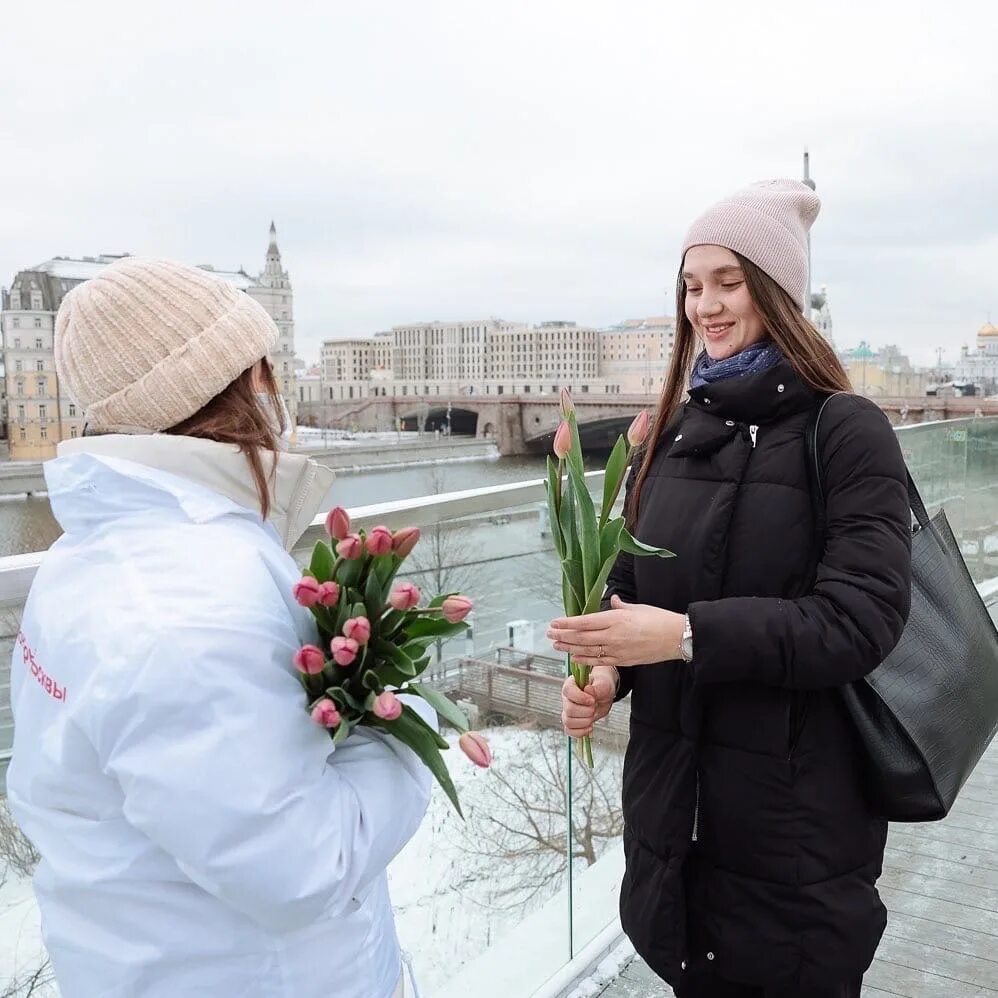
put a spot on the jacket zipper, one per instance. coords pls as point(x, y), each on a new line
point(753, 433)
point(696, 812)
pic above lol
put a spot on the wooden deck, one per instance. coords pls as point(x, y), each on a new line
point(940, 885)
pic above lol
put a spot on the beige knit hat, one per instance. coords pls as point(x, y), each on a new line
point(768, 224)
point(147, 343)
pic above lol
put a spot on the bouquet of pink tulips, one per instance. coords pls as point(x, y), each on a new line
point(588, 543)
point(374, 637)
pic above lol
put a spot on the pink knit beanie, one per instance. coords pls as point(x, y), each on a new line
point(766, 223)
point(146, 343)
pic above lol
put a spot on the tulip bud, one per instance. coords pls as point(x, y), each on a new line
point(325, 714)
point(476, 748)
point(456, 608)
point(306, 591)
point(567, 405)
point(387, 706)
point(358, 629)
point(338, 523)
point(310, 660)
point(639, 428)
point(404, 596)
point(562, 440)
point(351, 547)
point(329, 594)
point(379, 541)
point(344, 650)
point(404, 540)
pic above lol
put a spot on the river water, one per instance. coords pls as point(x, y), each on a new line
point(28, 524)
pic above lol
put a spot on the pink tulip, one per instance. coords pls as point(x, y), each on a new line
point(358, 629)
point(344, 650)
point(404, 596)
point(562, 440)
point(404, 540)
point(329, 594)
point(338, 523)
point(476, 748)
point(567, 405)
point(639, 428)
point(379, 541)
point(387, 706)
point(306, 591)
point(325, 714)
point(351, 547)
point(310, 660)
point(456, 608)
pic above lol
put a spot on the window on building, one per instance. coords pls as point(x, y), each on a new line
point(72, 408)
point(499, 390)
point(72, 432)
point(44, 432)
point(42, 411)
point(42, 386)
point(39, 365)
point(20, 387)
point(18, 365)
point(24, 433)
point(38, 343)
point(20, 412)
point(16, 322)
point(17, 342)
point(38, 322)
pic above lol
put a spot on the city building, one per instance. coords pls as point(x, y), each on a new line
point(980, 366)
point(636, 353)
point(882, 373)
point(39, 415)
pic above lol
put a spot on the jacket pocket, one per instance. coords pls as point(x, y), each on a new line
point(796, 719)
point(653, 908)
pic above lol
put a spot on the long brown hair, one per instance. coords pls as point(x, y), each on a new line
point(807, 351)
point(235, 416)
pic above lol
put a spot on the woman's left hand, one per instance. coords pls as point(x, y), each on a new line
point(626, 634)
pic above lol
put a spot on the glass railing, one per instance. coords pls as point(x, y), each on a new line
point(500, 903)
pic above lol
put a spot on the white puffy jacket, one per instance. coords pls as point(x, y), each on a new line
point(199, 836)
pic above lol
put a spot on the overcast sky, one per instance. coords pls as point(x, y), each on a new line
point(530, 160)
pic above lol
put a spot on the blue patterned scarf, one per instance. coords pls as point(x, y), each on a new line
point(752, 360)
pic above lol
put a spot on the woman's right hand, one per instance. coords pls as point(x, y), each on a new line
point(581, 709)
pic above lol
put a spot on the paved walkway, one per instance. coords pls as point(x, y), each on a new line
point(940, 885)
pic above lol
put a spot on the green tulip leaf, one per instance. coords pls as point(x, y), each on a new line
point(321, 565)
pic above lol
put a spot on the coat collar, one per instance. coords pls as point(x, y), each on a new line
point(206, 478)
point(755, 398)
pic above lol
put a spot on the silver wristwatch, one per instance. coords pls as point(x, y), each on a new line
point(686, 644)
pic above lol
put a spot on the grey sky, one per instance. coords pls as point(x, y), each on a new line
point(531, 160)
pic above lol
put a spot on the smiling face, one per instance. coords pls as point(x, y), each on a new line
point(718, 303)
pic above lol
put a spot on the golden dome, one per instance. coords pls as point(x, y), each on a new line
point(988, 330)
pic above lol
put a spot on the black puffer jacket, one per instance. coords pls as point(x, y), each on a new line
point(747, 750)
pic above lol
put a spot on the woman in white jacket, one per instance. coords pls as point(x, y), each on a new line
point(199, 835)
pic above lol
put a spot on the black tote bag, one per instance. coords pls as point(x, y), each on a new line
point(926, 715)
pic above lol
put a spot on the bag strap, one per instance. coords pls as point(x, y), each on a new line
point(816, 485)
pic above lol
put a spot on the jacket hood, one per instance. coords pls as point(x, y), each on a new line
point(96, 479)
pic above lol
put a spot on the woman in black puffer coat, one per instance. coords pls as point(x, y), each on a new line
point(752, 859)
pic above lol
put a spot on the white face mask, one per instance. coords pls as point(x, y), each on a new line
point(267, 403)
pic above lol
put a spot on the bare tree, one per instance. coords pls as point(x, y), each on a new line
point(444, 555)
point(516, 839)
point(16, 851)
point(40, 981)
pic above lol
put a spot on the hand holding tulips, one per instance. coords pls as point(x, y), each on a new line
point(588, 543)
point(374, 638)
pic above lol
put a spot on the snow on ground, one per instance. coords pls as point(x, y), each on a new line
point(452, 900)
point(21, 949)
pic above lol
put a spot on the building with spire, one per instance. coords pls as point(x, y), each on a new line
point(272, 289)
point(38, 414)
